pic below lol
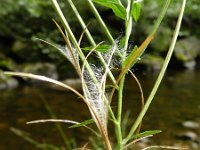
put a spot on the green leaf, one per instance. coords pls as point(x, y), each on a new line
point(101, 48)
point(134, 56)
point(130, 56)
point(135, 11)
point(84, 123)
point(115, 5)
point(146, 133)
point(122, 41)
point(119, 11)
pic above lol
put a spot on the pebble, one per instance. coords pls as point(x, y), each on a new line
point(190, 124)
point(188, 135)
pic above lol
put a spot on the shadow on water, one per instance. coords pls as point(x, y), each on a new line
point(175, 111)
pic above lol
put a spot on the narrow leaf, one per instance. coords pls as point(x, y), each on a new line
point(141, 136)
point(136, 55)
point(101, 48)
point(61, 49)
point(164, 147)
point(146, 133)
point(84, 123)
point(129, 57)
point(135, 11)
point(26, 137)
point(135, 141)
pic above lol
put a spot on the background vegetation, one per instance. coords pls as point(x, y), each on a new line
point(22, 21)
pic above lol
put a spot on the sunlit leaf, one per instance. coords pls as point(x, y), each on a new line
point(116, 7)
point(119, 11)
point(135, 11)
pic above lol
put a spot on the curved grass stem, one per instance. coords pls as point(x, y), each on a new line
point(72, 38)
point(91, 40)
point(101, 22)
point(160, 76)
point(128, 29)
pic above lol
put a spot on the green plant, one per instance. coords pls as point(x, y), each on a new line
point(94, 78)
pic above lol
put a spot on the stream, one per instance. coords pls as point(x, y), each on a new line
point(175, 110)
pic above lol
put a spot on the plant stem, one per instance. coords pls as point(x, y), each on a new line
point(103, 25)
point(160, 76)
point(73, 39)
point(128, 29)
point(119, 113)
point(91, 40)
point(101, 22)
point(82, 56)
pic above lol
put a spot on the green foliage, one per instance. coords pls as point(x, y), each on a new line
point(115, 5)
point(135, 11)
point(146, 133)
point(38, 145)
point(84, 123)
point(22, 21)
point(101, 48)
point(119, 10)
point(94, 78)
point(129, 56)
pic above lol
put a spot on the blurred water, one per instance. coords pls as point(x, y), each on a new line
point(177, 101)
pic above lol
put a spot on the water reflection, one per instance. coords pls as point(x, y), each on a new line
point(176, 102)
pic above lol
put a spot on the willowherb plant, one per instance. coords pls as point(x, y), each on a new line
point(94, 77)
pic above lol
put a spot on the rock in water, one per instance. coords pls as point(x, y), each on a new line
point(190, 124)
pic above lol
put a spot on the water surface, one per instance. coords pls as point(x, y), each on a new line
point(177, 101)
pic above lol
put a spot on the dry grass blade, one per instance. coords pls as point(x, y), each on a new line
point(82, 34)
point(75, 61)
point(83, 148)
point(135, 141)
point(140, 88)
point(53, 120)
point(163, 147)
point(142, 96)
point(135, 56)
point(54, 46)
point(43, 78)
point(64, 35)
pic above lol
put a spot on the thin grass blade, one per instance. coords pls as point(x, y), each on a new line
point(43, 78)
point(164, 147)
point(53, 120)
point(135, 141)
point(161, 74)
point(38, 145)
